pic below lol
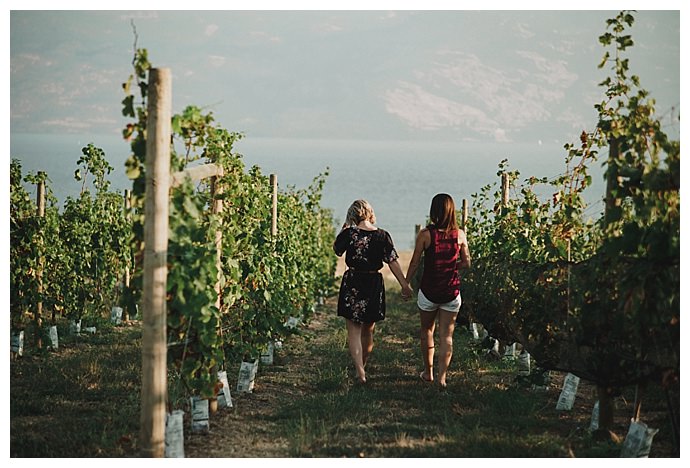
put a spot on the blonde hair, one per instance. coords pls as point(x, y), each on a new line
point(359, 211)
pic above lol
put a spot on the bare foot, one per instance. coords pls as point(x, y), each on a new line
point(425, 377)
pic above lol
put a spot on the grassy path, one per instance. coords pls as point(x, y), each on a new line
point(83, 401)
point(308, 405)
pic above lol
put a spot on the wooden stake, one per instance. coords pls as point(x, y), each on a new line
point(606, 409)
point(606, 406)
point(465, 214)
point(568, 291)
point(274, 205)
point(128, 206)
point(41, 212)
point(195, 173)
point(217, 209)
point(41, 197)
point(637, 407)
point(127, 275)
point(154, 350)
point(505, 189)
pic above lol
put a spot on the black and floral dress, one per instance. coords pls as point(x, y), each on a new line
point(362, 296)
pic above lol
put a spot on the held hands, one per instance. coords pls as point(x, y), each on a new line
point(404, 284)
point(406, 291)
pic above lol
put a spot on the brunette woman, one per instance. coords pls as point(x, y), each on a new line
point(445, 251)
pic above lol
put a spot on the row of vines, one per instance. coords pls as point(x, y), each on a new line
point(81, 260)
point(597, 297)
point(67, 263)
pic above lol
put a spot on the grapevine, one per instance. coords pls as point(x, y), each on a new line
point(264, 279)
point(598, 298)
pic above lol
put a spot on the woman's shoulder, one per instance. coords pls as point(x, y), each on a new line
point(424, 235)
point(346, 231)
point(383, 235)
point(425, 231)
point(462, 237)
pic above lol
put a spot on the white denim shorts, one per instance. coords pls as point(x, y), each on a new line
point(426, 305)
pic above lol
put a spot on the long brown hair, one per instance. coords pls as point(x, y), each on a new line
point(442, 212)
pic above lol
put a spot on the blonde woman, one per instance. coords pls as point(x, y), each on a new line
point(362, 299)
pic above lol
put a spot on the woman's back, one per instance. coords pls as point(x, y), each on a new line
point(365, 249)
point(440, 280)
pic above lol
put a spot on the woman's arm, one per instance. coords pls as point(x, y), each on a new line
point(397, 272)
point(422, 242)
point(465, 260)
point(341, 241)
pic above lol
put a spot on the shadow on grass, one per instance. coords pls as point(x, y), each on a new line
point(80, 401)
point(397, 415)
point(84, 401)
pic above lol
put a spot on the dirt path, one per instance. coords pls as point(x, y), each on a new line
point(248, 429)
point(83, 401)
point(307, 405)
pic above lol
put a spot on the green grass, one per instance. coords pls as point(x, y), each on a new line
point(397, 415)
point(484, 412)
point(83, 401)
point(79, 401)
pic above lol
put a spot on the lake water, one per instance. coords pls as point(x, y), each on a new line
point(398, 178)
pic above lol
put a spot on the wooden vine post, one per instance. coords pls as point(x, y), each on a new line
point(274, 205)
point(604, 393)
point(127, 276)
point(41, 212)
point(154, 384)
point(505, 189)
point(217, 209)
point(465, 215)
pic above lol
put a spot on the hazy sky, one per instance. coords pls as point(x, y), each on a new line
point(495, 76)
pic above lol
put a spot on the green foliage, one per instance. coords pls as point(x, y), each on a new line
point(70, 262)
point(269, 280)
point(597, 298)
point(135, 133)
point(193, 318)
point(34, 244)
point(263, 279)
point(96, 231)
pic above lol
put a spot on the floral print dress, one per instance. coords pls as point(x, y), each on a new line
point(362, 296)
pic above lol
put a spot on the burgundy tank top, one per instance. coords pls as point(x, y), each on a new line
point(440, 280)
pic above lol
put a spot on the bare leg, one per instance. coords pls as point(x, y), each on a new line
point(367, 338)
point(354, 341)
point(426, 335)
point(446, 326)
